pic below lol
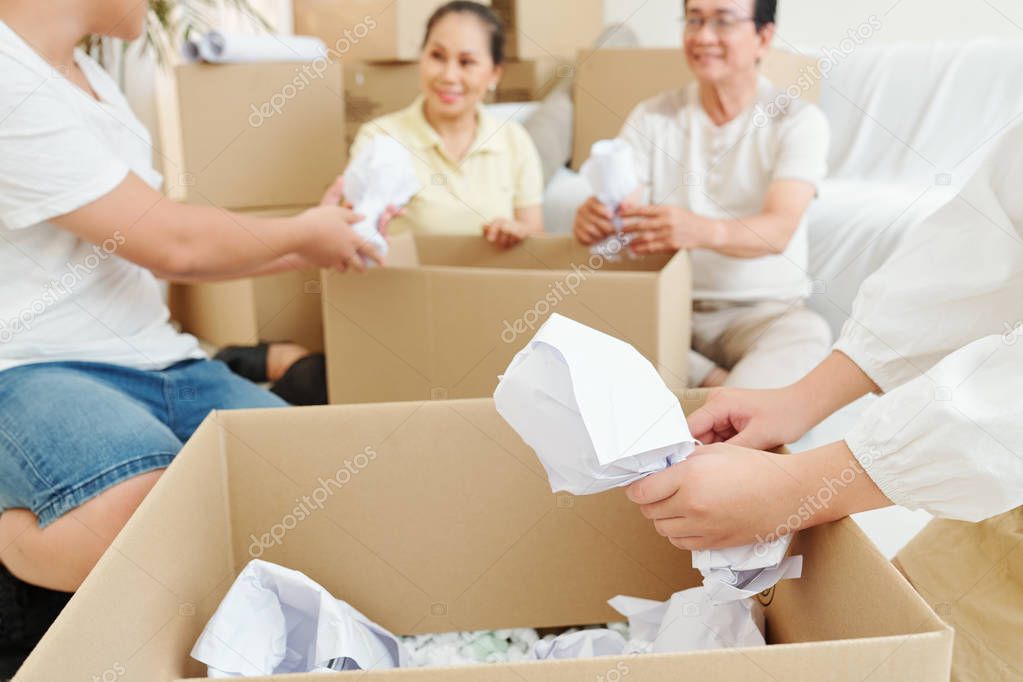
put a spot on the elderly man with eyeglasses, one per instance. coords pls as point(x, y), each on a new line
point(728, 167)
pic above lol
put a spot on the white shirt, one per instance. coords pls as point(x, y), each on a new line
point(62, 298)
point(939, 328)
point(683, 159)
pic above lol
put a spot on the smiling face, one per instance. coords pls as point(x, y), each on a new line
point(456, 68)
point(717, 54)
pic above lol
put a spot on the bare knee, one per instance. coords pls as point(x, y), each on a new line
point(61, 555)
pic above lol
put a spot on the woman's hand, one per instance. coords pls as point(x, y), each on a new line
point(728, 496)
point(760, 419)
point(504, 233)
point(664, 229)
point(594, 222)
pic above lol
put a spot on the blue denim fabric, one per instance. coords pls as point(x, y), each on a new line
point(70, 430)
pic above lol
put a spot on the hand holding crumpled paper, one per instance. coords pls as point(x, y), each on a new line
point(599, 416)
point(381, 175)
point(611, 172)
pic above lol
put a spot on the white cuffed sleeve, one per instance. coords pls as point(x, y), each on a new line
point(955, 278)
point(951, 442)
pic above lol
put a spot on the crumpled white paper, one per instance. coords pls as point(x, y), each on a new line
point(222, 47)
point(599, 416)
point(381, 175)
point(275, 620)
point(690, 621)
point(581, 644)
point(611, 172)
point(594, 409)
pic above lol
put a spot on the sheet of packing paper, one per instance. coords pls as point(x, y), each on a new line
point(594, 409)
point(691, 621)
point(274, 621)
point(581, 644)
point(611, 172)
point(222, 47)
point(599, 416)
point(381, 175)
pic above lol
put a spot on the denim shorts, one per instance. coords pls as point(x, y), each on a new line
point(70, 430)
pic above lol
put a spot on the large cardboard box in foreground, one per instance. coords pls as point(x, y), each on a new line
point(448, 314)
point(252, 136)
point(435, 517)
point(610, 83)
point(367, 30)
point(281, 307)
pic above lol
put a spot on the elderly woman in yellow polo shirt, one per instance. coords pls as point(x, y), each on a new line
point(478, 175)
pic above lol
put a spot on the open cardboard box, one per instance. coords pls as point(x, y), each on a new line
point(281, 307)
point(436, 517)
point(448, 314)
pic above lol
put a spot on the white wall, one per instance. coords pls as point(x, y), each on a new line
point(816, 23)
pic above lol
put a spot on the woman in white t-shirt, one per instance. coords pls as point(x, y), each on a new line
point(97, 390)
point(728, 167)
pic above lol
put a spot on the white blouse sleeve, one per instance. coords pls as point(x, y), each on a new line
point(951, 442)
point(955, 278)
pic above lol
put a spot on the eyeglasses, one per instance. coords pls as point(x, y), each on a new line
point(719, 24)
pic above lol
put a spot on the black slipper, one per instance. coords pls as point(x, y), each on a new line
point(305, 382)
point(246, 361)
point(26, 613)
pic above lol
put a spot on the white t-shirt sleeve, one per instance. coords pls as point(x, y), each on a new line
point(803, 142)
point(51, 164)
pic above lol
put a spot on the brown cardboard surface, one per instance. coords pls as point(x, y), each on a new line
point(248, 136)
point(438, 518)
point(281, 307)
point(610, 83)
point(373, 90)
point(449, 313)
point(550, 28)
point(531, 80)
point(367, 30)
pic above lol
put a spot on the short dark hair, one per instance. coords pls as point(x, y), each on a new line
point(491, 22)
point(764, 12)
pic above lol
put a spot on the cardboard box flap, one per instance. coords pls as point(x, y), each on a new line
point(545, 252)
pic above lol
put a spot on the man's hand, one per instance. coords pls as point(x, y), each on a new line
point(665, 229)
point(331, 241)
point(593, 222)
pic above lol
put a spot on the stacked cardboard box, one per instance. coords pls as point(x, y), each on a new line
point(262, 139)
point(436, 517)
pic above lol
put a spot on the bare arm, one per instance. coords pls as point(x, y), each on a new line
point(180, 241)
point(663, 229)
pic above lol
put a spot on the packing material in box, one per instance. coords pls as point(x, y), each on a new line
point(610, 83)
point(435, 517)
point(367, 30)
point(281, 307)
point(245, 136)
point(550, 28)
point(447, 315)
